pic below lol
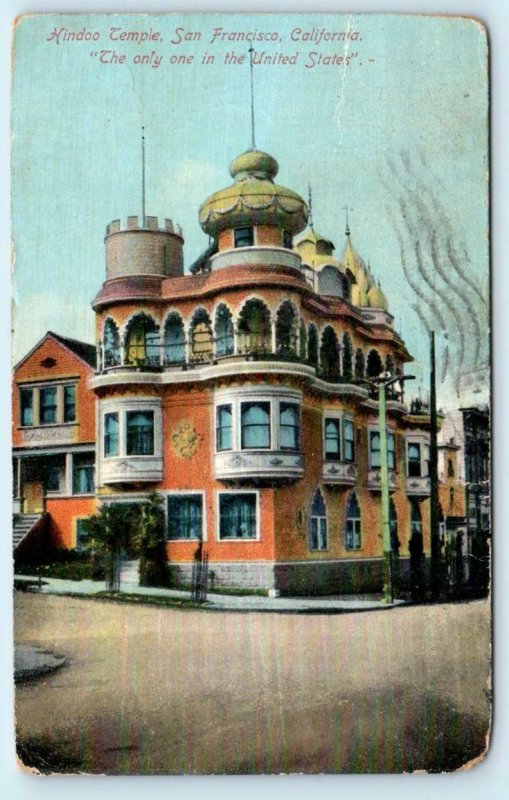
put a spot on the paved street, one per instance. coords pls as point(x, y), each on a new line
point(157, 690)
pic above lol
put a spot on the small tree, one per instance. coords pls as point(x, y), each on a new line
point(109, 534)
point(150, 540)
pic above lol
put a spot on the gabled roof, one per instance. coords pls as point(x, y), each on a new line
point(83, 350)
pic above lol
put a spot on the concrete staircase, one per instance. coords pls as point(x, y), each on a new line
point(130, 573)
point(22, 527)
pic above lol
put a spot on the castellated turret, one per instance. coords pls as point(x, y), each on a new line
point(144, 248)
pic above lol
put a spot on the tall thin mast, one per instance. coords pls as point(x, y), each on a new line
point(253, 144)
point(143, 215)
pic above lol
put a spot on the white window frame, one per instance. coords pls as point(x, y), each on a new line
point(236, 397)
point(390, 432)
point(339, 414)
point(121, 407)
point(326, 517)
point(186, 492)
point(35, 388)
point(245, 539)
point(423, 440)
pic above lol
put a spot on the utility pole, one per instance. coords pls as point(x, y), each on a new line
point(383, 382)
point(433, 475)
point(388, 589)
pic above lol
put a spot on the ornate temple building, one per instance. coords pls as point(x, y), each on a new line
point(241, 391)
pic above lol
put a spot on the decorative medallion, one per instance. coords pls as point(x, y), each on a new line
point(185, 440)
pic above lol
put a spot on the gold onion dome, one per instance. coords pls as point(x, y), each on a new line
point(351, 259)
point(377, 299)
point(253, 199)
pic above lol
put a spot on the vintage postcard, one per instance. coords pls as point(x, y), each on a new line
point(251, 409)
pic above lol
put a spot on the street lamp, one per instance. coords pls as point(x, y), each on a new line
point(383, 382)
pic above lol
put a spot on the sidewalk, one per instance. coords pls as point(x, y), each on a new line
point(221, 602)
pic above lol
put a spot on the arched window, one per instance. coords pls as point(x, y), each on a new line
point(286, 330)
point(347, 358)
point(142, 342)
point(201, 336)
point(329, 355)
point(223, 331)
point(318, 523)
point(353, 531)
point(254, 328)
point(389, 364)
point(303, 341)
point(360, 365)
point(312, 345)
point(450, 468)
point(111, 344)
point(174, 340)
point(375, 366)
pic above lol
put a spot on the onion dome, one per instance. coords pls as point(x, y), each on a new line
point(253, 199)
point(359, 296)
point(377, 299)
point(350, 259)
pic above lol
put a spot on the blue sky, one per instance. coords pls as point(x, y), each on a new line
point(401, 138)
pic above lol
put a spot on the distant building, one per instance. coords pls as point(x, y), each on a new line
point(241, 393)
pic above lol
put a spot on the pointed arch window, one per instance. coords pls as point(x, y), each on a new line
point(142, 342)
point(286, 330)
point(374, 366)
point(174, 340)
point(303, 341)
point(360, 365)
point(201, 336)
point(318, 523)
point(254, 328)
point(329, 355)
point(353, 530)
point(313, 345)
point(223, 331)
point(111, 344)
point(347, 358)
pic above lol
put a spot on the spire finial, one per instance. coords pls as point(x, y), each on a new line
point(143, 215)
point(253, 144)
point(310, 204)
point(347, 208)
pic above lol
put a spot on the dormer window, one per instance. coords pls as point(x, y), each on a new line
point(244, 237)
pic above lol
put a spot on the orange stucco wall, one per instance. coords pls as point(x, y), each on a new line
point(63, 513)
point(67, 365)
